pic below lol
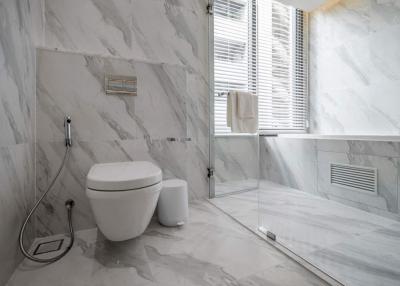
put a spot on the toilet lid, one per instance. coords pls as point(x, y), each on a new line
point(123, 176)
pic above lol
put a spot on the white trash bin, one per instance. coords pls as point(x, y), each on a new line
point(173, 207)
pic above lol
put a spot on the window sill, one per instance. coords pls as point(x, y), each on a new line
point(352, 137)
point(235, 135)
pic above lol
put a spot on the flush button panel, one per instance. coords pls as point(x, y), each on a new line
point(120, 85)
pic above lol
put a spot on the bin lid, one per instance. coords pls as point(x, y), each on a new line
point(174, 183)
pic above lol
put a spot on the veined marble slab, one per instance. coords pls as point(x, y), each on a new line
point(353, 246)
point(385, 199)
point(291, 162)
point(115, 128)
point(17, 121)
point(304, 164)
point(16, 197)
point(236, 158)
point(211, 249)
point(161, 31)
point(17, 75)
point(74, 84)
point(369, 259)
point(355, 68)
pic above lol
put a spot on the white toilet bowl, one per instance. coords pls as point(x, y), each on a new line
point(123, 197)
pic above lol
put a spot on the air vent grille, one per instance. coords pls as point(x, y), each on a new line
point(354, 177)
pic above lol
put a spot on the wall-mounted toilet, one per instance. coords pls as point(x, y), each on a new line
point(123, 197)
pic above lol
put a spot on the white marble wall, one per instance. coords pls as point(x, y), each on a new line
point(355, 68)
point(108, 128)
point(17, 114)
point(164, 31)
point(304, 164)
point(290, 162)
point(164, 44)
point(236, 158)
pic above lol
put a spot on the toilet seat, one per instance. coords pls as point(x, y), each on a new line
point(123, 176)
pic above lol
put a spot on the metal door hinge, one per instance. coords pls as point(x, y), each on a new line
point(210, 9)
point(271, 235)
point(210, 172)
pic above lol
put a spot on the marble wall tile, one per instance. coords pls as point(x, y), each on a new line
point(77, 89)
point(286, 163)
point(236, 158)
point(37, 22)
point(354, 68)
point(177, 33)
point(115, 128)
point(197, 124)
point(197, 164)
point(17, 82)
point(16, 197)
point(197, 109)
point(386, 198)
point(290, 162)
point(168, 54)
point(377, 148)
point(17, 118)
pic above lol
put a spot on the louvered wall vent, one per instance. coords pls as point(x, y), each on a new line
point(354, 177)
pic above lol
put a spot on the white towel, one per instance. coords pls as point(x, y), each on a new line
point(246, 105)
point(230, 100)
point(242, 113)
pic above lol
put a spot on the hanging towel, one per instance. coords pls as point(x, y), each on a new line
point(246, 105)
point(242, 112)
point(230, 107)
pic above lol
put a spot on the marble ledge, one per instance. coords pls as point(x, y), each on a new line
point(93, 53)
point(353, 137)
point(345, 137)
point(138, 138)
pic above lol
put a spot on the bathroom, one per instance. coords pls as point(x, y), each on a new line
point(311, 197)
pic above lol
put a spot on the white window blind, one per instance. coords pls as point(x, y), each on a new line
point(234, 53)
point(259, 46)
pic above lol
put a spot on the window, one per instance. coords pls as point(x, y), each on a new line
point(259, 46)
point(234, 54)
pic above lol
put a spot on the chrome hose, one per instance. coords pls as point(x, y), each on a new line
point(69, 204)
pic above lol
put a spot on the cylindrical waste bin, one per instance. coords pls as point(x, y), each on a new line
point(172, 207)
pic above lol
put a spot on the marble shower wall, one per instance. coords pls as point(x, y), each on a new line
point(17, 117)
point(355, 68)
point(163, 43)
point(304, 164)
point(236, 158)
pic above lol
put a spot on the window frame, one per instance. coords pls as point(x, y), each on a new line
point(253, 49)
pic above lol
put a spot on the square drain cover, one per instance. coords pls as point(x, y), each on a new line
point(48, 246)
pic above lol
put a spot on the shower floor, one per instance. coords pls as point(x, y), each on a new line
point(212, 249)
point(351, 245)
point(226, 188)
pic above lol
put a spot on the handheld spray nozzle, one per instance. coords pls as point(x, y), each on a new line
point(67, 129)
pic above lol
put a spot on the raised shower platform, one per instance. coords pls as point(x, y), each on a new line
point(353, 246)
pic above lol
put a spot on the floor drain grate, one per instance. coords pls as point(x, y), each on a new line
point(48, 246)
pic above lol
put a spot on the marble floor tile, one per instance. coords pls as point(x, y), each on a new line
point(353, 246)
point(369, 259)
point(223, 188)
point(212, 249)
point(277, 275)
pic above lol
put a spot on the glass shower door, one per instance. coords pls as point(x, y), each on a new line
point(236, 163)
point(233, 157)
